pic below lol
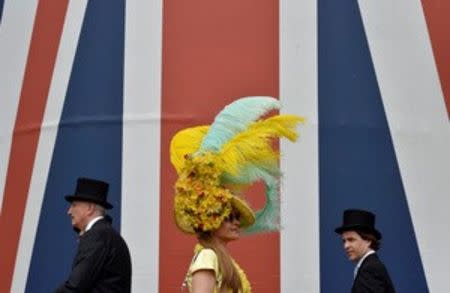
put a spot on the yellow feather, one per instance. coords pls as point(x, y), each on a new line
point(254, 145)
point(185, 142)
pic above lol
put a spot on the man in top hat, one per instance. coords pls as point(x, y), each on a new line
point(102, 262)
point(361, 241)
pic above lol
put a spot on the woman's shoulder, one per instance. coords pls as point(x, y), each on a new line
point(206, 253)
point(203, 252)
point(205, 258)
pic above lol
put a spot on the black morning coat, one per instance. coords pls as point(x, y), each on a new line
point(102, 263)
point(372, 277)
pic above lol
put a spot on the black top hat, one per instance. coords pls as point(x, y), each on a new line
point(91, 190)
point(359, 220)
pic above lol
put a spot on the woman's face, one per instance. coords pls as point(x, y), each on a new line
point(229, 230)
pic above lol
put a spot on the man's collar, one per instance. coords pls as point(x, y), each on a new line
point(358, 265)
point(92, 222)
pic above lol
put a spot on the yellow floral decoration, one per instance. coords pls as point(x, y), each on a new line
point(201, 203)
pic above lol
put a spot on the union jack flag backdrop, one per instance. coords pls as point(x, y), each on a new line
point(98, 88)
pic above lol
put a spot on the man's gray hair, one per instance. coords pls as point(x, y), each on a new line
point(100, 209)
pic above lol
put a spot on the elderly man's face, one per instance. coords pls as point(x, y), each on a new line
point(79, 212)
point(354, 245)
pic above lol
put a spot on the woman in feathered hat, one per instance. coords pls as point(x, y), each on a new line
point(214, 163)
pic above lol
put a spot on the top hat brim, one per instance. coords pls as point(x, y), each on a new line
point(88, 198)
point(246, 220)
point(360, 228)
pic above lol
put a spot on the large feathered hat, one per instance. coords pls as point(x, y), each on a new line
point(215, 163)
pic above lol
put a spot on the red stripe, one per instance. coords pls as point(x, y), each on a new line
point(213, 53)
point(437, 14)
point(38, 72)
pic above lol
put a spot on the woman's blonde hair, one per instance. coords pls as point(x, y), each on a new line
point(230, 276)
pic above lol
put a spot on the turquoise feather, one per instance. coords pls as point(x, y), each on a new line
point(267, 218)
point(235, 118)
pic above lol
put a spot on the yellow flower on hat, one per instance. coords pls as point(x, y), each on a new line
point(201, 203)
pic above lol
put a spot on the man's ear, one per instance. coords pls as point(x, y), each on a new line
point(91, 208)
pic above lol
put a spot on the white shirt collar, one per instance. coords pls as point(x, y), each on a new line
point(92, 222)
point(358, 265)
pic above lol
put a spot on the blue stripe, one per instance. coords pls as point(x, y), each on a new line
point(358, 167)
point(1, 10)
point(88, 143)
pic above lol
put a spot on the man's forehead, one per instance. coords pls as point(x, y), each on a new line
point(80, 203)
point(350, 234)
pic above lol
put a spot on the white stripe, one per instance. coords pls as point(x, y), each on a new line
point(418, 121)
point(300, 263)
point(141, 140)
point(57, 93)
point(15, 35)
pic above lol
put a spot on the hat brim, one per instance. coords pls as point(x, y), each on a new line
point(85, 197)
point(359, 228)
point(246, 220)
point(247, 215)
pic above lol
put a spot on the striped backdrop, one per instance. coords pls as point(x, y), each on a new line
point(98, 88)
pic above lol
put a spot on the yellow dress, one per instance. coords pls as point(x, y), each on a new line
point(206, 259)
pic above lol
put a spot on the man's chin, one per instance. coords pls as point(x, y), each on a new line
point(75, 228)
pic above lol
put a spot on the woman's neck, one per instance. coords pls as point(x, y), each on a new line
point(221, 242)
